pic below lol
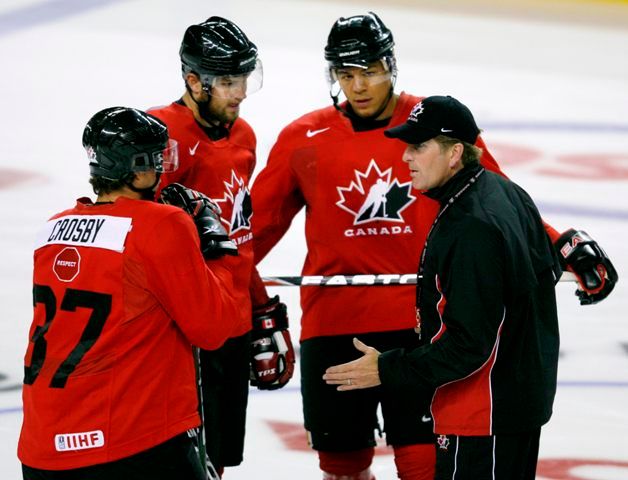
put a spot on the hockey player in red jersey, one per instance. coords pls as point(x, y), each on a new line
point(121, 292)
point(363, 218)
point(220, 67)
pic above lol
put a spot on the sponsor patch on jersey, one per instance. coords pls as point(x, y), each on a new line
point(67, 264)
point(375, 196)
point(101, 231)
point(67, 442)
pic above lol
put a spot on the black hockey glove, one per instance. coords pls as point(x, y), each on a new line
point(272, 354)
point(206, 215)
point(580, 254)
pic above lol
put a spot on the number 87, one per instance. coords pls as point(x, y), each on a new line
point(99, 303)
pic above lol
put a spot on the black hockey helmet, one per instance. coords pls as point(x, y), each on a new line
point(358, 41)
point(218, 48)
point(121, 140)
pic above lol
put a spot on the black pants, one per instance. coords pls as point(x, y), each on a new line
point(225, 380)
point(175, 459)
point(345, 421)
point(497, 457)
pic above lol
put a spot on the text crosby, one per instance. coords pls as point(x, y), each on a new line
point(82, 230)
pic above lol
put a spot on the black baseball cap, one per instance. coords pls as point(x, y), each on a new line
point(433, 116)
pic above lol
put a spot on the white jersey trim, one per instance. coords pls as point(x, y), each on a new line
point(100, 231)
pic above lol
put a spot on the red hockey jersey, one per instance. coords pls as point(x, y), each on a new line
point(120, 293)
point(362, 217)
point(221, 170)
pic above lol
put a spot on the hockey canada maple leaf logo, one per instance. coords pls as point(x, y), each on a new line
point(374, 195)
point(237, 194)
point(416, 111)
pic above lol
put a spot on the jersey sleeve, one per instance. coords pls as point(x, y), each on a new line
point(259, 295)
point(276, 199)
point(188, 290)
point(489, 162)
point(487, 159)
point(251, 144)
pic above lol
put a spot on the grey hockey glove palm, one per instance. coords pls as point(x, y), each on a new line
point(272, 354)
point(206, 215)
point(580, 254)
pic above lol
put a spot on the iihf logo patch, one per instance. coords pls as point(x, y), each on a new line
point(443, 442)
point(375, 195)
point(416, 111)
point(79, 441)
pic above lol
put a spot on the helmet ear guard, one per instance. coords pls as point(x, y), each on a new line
point(160, 160)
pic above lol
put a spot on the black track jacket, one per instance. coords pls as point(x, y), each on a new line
point(488, 312)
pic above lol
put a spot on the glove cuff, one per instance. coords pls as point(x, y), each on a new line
point(271, 316)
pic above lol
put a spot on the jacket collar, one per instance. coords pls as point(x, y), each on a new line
point(443, 193)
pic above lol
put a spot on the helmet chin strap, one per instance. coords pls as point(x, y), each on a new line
point(146, 193)
point(353, 116)
point(217, 129)
point(202, 105)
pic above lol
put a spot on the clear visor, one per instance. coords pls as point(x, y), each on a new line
point(167, 160)
point(347, 76)
point(229, 86)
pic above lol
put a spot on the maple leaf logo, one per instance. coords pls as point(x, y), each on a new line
point(238, 196)
point(373, 196)
point(416, 111)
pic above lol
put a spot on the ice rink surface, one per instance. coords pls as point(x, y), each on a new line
point(550, 90)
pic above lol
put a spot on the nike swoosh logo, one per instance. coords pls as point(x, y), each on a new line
point(193, 150)
point(311, 133)
point(426, 419)
point(444, 130)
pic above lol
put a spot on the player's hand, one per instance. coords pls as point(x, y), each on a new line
point(272, 354)
point(206, 215)
point(596, 275)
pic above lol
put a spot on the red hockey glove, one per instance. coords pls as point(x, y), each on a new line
point(272, 354)
point(206, 215)
point(581, 255)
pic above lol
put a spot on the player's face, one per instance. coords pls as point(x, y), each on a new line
point(430, 165)
point(366, 89)
point(227, 95)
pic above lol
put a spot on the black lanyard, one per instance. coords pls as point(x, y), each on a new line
point(420, 279)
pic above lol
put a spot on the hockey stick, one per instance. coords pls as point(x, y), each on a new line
point(208, 467)
point(370, 280)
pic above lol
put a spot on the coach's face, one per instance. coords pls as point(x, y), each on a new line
point(432, 165)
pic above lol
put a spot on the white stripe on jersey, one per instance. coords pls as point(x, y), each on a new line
point(101, 231)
